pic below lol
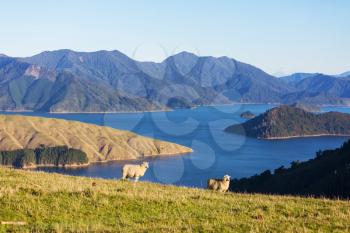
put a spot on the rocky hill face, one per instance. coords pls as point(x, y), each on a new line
point(306, 107)
point(286, 121)
point(99, 143)
point(247, 115)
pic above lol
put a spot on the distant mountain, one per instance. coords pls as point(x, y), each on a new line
point(286, 121)
point(326, 175)
point(297, 77)
point(325, 83)
point(102, 81)
point(320, 89)
point(344, 75)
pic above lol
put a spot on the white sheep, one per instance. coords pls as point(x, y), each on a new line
point(220, 185)
point(134, 171)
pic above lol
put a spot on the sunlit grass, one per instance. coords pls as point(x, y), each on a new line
point(52, 202)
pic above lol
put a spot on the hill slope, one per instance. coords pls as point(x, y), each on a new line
point(72, 204)
point(326, 175)
point(286, 121)
point(99, 143)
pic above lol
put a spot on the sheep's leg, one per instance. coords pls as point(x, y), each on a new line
point(126, 177)
point(137, 178)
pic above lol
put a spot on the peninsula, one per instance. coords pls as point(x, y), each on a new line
point(99, 143)
point(287, 122)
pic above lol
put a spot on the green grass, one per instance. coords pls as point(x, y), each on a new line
point(57, 203)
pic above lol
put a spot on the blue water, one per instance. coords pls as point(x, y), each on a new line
point(216, 153)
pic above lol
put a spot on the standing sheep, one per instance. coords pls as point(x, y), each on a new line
point(220, 185)
point(134, 171)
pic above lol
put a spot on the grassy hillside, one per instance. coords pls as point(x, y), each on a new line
point(74, 204)
point(99, 143)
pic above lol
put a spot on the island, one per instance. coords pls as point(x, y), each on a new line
point(99, 143)
point(247, 115)
point(287, 122)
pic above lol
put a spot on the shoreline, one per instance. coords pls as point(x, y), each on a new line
point(145, 157)
point(29, 167)
point(52, 165)
point(304, 136)
point(112, 112)
point(165, 110)
point(73, 166)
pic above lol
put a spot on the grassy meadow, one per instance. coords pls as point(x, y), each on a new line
point(57, 203)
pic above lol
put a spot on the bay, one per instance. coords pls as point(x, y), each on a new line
point(216, 153)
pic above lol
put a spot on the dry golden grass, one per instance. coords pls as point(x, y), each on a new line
point(57, 203)
point(99, 143)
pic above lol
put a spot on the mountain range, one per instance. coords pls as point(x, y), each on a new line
point(109, 81)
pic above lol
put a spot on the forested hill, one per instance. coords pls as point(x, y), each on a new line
point(43, 156)
point(328, 174)
point(286, 121)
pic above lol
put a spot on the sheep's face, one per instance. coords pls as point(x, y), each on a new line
point(227, 178)
point(145, 164)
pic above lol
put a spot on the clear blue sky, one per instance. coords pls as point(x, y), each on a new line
point(275, 35)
